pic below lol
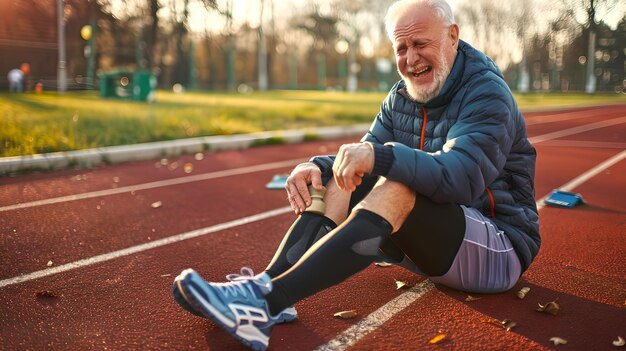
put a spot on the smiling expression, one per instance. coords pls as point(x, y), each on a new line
point(425, 48)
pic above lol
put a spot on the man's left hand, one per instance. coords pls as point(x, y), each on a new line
point(351, 164)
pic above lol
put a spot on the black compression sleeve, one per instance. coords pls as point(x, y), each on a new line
point(304, 232)
point(345, 251)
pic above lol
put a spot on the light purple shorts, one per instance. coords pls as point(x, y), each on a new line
point(486, 261)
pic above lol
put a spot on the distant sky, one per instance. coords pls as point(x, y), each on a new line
point(248, 11)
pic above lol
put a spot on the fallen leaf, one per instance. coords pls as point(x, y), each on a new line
point(383, 264)
point(551, 307)
point(402, 284)
point(470, 298)
point(619, 342)
point(346, 314)
point(199, 156)
point(437, 339)
point(504, 324)
point(188, 168)
point(522, 293)
point(45, 294)
point(558, 341)
point(50, 264)
point(157, 204)
point(508, 324)
point(116, 179)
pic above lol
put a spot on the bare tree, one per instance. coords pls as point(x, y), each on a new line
point(592, 7)
point(359, 19)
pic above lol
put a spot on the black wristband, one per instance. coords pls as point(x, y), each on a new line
point(383, 159)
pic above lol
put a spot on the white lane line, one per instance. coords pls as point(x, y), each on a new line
point(576, 130)
point(377, 318)
point(143, 247)
point(572, 184)
point(268, 166)
point(586, 144)
point(157, 184)
point(559, 116)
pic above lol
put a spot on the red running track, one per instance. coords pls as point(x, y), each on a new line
point(111, 267)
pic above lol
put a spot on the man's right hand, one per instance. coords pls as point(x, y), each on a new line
point(297, 193)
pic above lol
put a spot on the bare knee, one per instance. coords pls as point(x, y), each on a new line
point(391, 200)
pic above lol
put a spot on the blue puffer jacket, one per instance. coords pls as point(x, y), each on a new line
point(474, 150)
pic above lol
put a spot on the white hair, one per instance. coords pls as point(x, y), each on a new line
point(441, 7)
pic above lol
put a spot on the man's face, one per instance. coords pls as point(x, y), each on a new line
point(425, 49)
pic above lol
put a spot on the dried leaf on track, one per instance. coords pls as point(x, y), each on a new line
point(508, 324)
point(400, 284)
point(471, 298)
point(558, 341)
point(504, 324)
point(437, 339)
point(551, 307)
point(619, 342)
point(46, 294)
point(522, 293)
point(199, 156)
point(49, 264)
point(383, 264)
point(346, 314)
point(188, 168)
point(157, 204)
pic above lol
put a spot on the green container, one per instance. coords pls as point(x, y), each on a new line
point(127, 84)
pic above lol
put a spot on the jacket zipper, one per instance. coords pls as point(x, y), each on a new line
point(423, 128)
point(492, 203)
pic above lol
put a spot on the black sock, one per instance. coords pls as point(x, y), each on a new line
point(304, 232)
point(347, 250)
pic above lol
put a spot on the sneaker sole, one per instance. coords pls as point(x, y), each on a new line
point(181, 300)
point(204, 308)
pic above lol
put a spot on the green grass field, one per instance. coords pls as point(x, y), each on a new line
point(42, 123)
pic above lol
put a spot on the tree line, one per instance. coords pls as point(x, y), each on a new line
point(331, 44)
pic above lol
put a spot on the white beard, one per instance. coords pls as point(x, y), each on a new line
point(422, 94)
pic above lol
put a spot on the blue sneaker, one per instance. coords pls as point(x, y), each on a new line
point(239, 307)
point(263, 280)
point(287, 315)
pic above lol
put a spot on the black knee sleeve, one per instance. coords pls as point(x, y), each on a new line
point(304, 232)
point(347, 250)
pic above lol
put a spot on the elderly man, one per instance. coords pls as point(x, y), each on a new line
point(442, 184)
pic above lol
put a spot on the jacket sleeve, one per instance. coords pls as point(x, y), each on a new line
point(474, 154)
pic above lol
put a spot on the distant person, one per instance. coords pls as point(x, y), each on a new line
point(441, 184)
point(16, 80)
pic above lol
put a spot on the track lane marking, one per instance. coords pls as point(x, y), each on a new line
point(558, 117)
point(143, 247)
point(577, 130)
point(157, 184)
point(377, 318)
point(264, 167)
point(586, 144)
